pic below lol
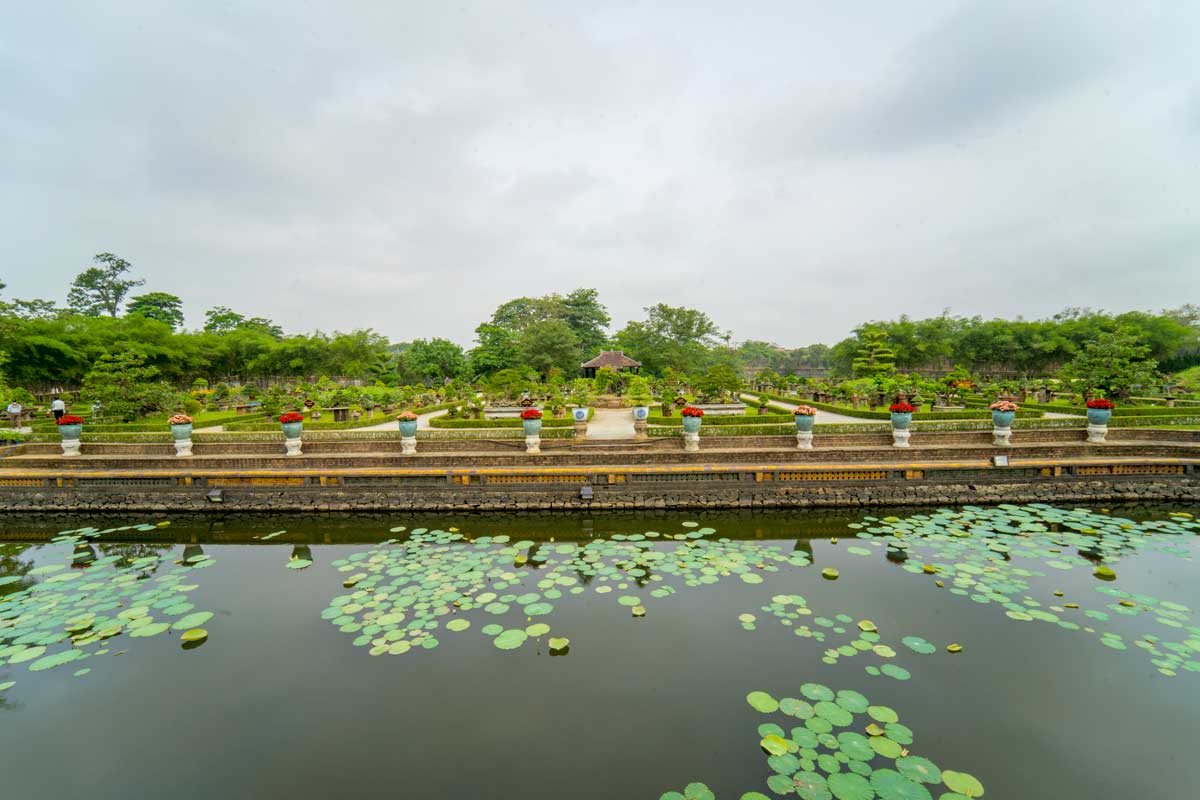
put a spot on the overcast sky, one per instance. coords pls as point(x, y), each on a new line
point(791, 168)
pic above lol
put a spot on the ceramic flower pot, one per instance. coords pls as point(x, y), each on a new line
point(1003, 419)
point(901, 420)
point(533, 427)
point(580, 414)
point(692, 424)
point(70, 431)
point(291, 430)
point(408, 427)
point(1099, 416)
point(804, 422)
point(641, 412)
point(181, 432)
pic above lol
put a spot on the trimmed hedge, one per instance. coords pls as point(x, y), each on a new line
point(442, 422)
point(864, 413)
point(730, 419)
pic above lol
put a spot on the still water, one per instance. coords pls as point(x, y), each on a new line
point(423, 656)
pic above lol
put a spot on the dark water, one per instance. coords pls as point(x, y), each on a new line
point(280, 703)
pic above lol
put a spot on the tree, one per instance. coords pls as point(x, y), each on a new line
point(101, 289)
point(588, 318)
point(222, 320)
point(496, 349)
point(1113, 365)
point(158, 305)
point(124, 386)
point(436, 359)
point(549, 344)
point(873, 358)
point(718, 381)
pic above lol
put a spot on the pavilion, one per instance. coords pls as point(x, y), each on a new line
point(610, 358)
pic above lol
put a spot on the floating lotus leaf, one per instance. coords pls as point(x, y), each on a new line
point(492, 630)
point(829, 573)
point(885, 747)
point(559, 643)
point(867, 625)
point(954, 648)
point(811, 786)
point(538, 609)
point(458, 624)
point(816, 691)
point(1105, 573)
point(638, 611)
point(194, 635)
point(833, 713)
point(153, 629)
point(192, 620)
point(56, 659)
point(852, 701)
point(510, 639)
point(891, 785)
point(697, 791)
point(795, 708)
point(762, 702)
point(895, 671)
point(629, 600)
point(963, 783)
point(774, 744)
point(849, 786)
point(919, 769)
point(537, 629)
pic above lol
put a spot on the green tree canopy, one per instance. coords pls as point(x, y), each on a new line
point(158, 305)
point(101, 289)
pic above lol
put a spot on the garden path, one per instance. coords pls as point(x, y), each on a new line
point(391, 425)
point(611, 423)
point(823, 417)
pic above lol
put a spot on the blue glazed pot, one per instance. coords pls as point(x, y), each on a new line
point(641, 412)
point(580, 414)
point(1099, 416)
point(533, 427)
point(804, 422)
point(70, 431)
point(291, 430)
point(408, 427)
point(181, 432)
point(1003, 419)
point(901, 421)
point(692, 424)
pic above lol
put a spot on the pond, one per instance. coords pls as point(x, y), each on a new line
point(1012, 652)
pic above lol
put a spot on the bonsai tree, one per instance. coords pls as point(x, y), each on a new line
point(582, 393)
point(719, 382)
point(637, 391)
point(1113, 365)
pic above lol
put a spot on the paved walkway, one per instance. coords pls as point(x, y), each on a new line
point(392, 425)
point(611, 423)
point(823, 417)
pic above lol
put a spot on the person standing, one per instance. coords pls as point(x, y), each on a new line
point(14, 413)
point(58, 407)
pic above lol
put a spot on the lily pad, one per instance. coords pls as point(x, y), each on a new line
point(762, 702)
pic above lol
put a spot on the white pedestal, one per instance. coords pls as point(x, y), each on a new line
point(804, 440)
point(1096, 433)
point(183, 448)
point(1001, 437)
point(691, 442)
point(900, 437)
point(533, 444)
point(293, 446)
point(70, 447)
point(408, 445)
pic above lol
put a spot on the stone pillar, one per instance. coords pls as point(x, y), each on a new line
point(70, 447)
point(581, 430)
point(900, 437)
point(1095, 433)
point(804, 440)
point(293, 446)
point(691, 442)
point(183, 448)
point(408, 445)
point(639, 428)
point(1001, 436)
point(533, 444)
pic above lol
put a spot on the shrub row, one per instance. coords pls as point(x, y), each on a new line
point(732, 419)
point(864, 413)
point(547, 422)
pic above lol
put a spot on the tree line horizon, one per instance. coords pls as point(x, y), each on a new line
point(44, 345)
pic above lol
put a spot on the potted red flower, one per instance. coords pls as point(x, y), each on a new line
point(531, 420)
point(692, 417)
point(901, 415)
point(292, 424)
point(1099, 410)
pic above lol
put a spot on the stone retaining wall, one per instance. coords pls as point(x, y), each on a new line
point(726, 487)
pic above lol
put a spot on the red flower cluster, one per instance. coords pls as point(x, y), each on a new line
point(68, 419)
point(692, 411)
point(291, 416)
point(901, 408)
point(531, 413)
point(1101, 403)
